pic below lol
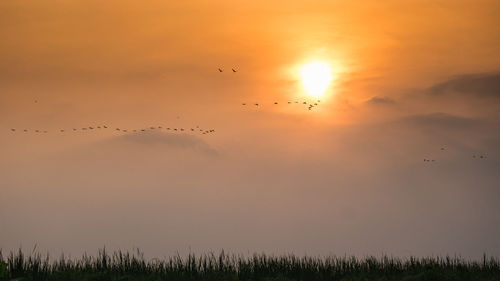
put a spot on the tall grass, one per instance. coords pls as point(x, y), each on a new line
point(132, 266)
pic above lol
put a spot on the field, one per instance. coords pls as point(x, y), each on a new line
point(133, 266)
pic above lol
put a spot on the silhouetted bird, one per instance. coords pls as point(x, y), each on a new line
point(442, 148)
point(175, 129)
point(304, 102)
point(62, 131)
point(124, 131)
point(13, 130)
point(25, 131)
point(118, 129)
point(143, 130)
point(182, 129)
point(220, 70)
point(91, 128)
point(256, 104)
point(74, 129)
point(192, 129)
point(233, 70)
point(243, 104)
point(168, 128)
point(105, 127)
point(37, 131)
point(289, 102)
point(275, 102)
point(481, 156)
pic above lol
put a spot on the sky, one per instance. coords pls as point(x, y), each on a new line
point(411, 80)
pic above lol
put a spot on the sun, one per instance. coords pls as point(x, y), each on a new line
point(316, 77)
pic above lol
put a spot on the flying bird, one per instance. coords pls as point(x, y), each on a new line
point(234, 71)
point(256, 104)
point(275, 102)
point(243, 104)
point(220, 70)
point(13, 130)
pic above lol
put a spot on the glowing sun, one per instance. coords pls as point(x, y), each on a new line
point(316, 77)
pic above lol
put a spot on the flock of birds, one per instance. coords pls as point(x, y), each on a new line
point(310, 105)
point(199, 130)
point(481, 156)
point(196, 129)
point(232, 69)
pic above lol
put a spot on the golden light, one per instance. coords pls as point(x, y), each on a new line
point(316, 77)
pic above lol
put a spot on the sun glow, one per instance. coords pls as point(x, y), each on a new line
point(316, 77)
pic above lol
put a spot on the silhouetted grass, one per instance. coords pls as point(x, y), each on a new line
point(127, 266)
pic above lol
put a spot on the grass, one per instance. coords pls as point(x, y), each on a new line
point(126, 266)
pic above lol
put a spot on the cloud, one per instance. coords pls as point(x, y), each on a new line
point(380, 100)
point(486, 85)
point(439, 120)
point(182, 141)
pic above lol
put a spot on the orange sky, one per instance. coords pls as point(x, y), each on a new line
point(410, 77)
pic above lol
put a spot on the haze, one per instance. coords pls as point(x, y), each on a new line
point(413, 80)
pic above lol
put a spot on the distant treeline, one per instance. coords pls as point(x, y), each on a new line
point(132, 266)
